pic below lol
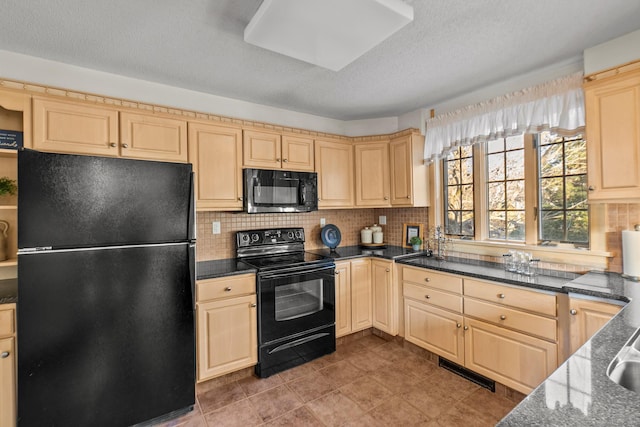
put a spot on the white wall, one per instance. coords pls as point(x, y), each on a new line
point(612, 53)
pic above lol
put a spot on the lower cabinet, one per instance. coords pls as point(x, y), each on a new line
point(343, 298)
point(226, 329)
point(384, 289)
point(361, 297)
point(7, 366)
point(586, 318)
point(355, 298)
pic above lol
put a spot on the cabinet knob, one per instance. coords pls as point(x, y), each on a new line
point(240, 198)
point(113, 144)
point(427, 279)
point(573, 312)
point(591, 188)
point(285, 160)
point(227, 289)
point(337, 272)
point(253, 305)
point(408, 197)
point(501, 296)
point(466, 328)
point(4, 354)
point(277, 160)
point(503, 317)
point(458, 325)
point(386, 197)
point(125, 145)
point(387, 270)
point(427, 296)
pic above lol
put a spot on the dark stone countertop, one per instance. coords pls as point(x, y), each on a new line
point(8, 291)
point(348, 252)
point(221, 268)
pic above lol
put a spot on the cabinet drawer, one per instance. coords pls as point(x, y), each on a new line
point(440, 281)
point(7, 325)
point(225, 287)
point(433, 296)
point(519, 298)
point(510, 318)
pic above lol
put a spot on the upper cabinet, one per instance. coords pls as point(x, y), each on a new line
point(372, 174)
point(334, 164)
point(266, 150)
point(409, 174)
point(78, 128)
point(153, 137)
point(72, 127)
point(612, 101)
point(216, 154)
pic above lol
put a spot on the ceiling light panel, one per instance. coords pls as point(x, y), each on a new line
point(328, 33)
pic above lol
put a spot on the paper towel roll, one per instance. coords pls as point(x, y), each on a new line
point(631, 253)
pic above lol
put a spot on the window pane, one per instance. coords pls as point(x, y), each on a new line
point(467, 223)
point(497, 225)
point(515, 225)
point(453, 222)
point(552, 225)
point(515, 164)
point(467, 171)
point(454, 199)
point(495, 145)
point(496, 196)
point(496, 167)
point(578, 226)
point(467, 197)
point(576, 157)
point(576, 190)
point(546, 138)
point(466, 151)
point(515, 194)
point(551, 193)
point(453, 172)
point(551, 160)
point(515, 142)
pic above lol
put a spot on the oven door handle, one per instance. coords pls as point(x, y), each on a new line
point(298, 342)
point(296, 270)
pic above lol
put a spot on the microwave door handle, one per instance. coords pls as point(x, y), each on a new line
point(303, 194)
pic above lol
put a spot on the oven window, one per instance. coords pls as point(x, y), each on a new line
point(282, 193)
point(298, 299)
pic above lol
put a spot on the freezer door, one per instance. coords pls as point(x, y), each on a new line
point(106, 337)
point(68, 201)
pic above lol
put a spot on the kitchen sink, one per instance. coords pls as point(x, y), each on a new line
point(625, 368)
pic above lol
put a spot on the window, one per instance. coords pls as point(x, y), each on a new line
point(527, 189)
point(459, 193)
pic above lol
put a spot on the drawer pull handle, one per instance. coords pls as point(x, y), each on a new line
point(4, 354)
point(503, 317)
point(427, 296)
point(466, 328)
point(227, 289)
point(253, 305)
point(427, 279)
point(573, 312)
point(501, 296)
point(458, 325)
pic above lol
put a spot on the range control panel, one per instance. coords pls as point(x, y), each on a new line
point(273, 236)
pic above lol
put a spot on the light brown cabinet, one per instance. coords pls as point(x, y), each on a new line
point(372, 174)
point(150, 137)
point(361, 295)
point(216, 154)
point(7, 365)
point(266, 150)
point(334, 164)
point(226, 327)
point(586, 318)
point(612, 102)
point(384, 290)
point(409, 174)
point(343, 298)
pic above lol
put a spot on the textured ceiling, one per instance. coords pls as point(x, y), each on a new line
point(452, 47)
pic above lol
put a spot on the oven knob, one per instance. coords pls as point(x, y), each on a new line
point(255, 237)
point(290, 234)
point(245, 237)
point(298, 234)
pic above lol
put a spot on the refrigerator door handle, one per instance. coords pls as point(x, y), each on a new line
point(192, 211)
point(192, 272)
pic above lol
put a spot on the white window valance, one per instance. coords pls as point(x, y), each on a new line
point(557, 106)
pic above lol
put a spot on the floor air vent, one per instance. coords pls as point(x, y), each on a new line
point(470, 375)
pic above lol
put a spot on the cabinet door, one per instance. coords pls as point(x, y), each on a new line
point(226, 336)
point(401, 171)
point(297, 153)
point(587, 317)
point(15, 114)
point(384, 296)
point(216, 155)
point(7, 382)
point(66, 127)
point(343, 298)
point(361, 298)
point(613, 138)
point(334, 164)
point(261, 150)
point(516, 360)
point(153, 138)
point(372, 174)
point(436, 330)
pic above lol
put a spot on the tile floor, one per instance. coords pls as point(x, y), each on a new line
point(366, 382)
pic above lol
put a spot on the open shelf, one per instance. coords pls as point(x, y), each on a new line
point(9, 263)
point(7, 152)
point(8, 207)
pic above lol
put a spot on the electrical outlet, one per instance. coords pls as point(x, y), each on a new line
point(382, 220)
point(323, 222)
point(215, 227)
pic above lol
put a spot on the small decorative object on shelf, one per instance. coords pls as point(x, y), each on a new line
point(416, 242)
point(8, 186)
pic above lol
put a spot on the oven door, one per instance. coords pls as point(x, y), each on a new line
point(293, 301)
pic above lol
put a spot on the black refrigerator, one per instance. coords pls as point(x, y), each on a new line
point(106, 270)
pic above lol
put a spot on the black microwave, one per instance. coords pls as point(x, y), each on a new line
point(268, 191)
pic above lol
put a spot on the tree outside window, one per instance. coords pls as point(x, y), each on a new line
point(459, 218)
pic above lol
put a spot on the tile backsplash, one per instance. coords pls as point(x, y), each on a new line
point(620, 216)
point(349, 221)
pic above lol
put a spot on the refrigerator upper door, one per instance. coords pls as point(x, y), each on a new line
point(69, 201)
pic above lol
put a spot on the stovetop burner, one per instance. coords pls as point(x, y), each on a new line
point(290, 259)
